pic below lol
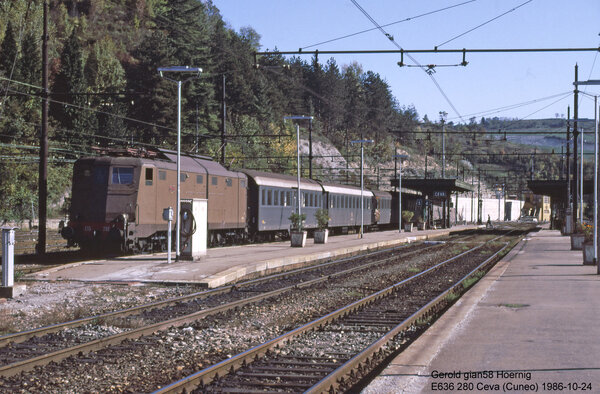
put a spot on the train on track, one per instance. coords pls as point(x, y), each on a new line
point(118, 198)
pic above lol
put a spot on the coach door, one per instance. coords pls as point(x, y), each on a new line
point(147, 196)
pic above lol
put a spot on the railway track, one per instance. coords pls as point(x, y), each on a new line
point(333, 352)
point(25, 350)
point(155, 324)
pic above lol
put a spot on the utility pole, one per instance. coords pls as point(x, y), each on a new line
point(223, 125)
point(569, 207)
point(310, 153)
point(43, 168)
point(443, 120)
point(575, 137)
point(479, 198)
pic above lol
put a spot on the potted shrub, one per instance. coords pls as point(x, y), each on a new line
point(420, 223)
point(577, 237)
point(297, 233)
point(321, 235)
point(588, 244)
point(407, 217)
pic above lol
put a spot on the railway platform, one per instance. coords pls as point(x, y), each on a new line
point(531, 324)
point(229, 264)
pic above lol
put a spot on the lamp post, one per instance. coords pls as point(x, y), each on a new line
point(443, 115)
point(596, 148)
point(362, 211)
point(195, 72)
point(401, 157)
point(581, 181)
point(298, 117)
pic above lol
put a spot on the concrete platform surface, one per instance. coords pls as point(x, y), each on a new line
point(531, 324)
point(228, 264)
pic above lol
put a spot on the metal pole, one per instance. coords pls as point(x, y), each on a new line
point(298, 163)
point(596, 183)
point(361, 191)
point(43, 167)
point(400, 198)
point(8, 257)
point(178, 218)
point(443, 151)
point(569, 206)
point(575, 135)
point(581, 182)
point(223, 124)
point(310, 150)
point(479, 199)
point(169, 236)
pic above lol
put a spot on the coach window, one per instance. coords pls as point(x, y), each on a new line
point(263, 201)
point(122, 175)
point(199, 179)
point(149, 174)
point(269, 197)
point(228, 182)
point(214, 180)
point(276, 197)
point(162, 175)
point(183, 176)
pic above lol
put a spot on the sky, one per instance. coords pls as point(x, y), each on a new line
point(492, 84)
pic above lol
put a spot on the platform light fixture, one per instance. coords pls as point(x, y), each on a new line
point(191, 72)
point(298, 117)
point(362, 210)
point(400, 159)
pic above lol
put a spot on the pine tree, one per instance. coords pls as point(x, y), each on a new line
point(71, 108)
point(9, 53)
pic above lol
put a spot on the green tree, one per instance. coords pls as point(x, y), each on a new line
point(9, 54)
point(104, 74)
point(72, 111)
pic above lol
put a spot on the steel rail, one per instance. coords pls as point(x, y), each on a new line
point(224, 367)
point(22, 336)
point(29, 364)
point(332, 382)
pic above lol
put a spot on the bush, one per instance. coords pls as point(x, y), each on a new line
point(322, 216)
point(297, 221)
point(407, 216)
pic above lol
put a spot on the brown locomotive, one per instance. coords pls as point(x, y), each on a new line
point(118, 200)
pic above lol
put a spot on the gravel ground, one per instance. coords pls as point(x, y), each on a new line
point(172, 354)
point(45, 303)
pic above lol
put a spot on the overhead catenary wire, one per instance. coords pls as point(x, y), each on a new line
point(389, 24)
point(484, 23)
point(391, 38)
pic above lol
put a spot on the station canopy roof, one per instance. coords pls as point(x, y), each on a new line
point(434, 187)
point(557, 189)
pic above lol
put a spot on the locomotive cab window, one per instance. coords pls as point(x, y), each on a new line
point(122, 175)
point(214, 180)
point(199, 179)
point(149, 175)
point(162, 175)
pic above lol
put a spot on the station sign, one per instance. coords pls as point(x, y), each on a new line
point(440, 194)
